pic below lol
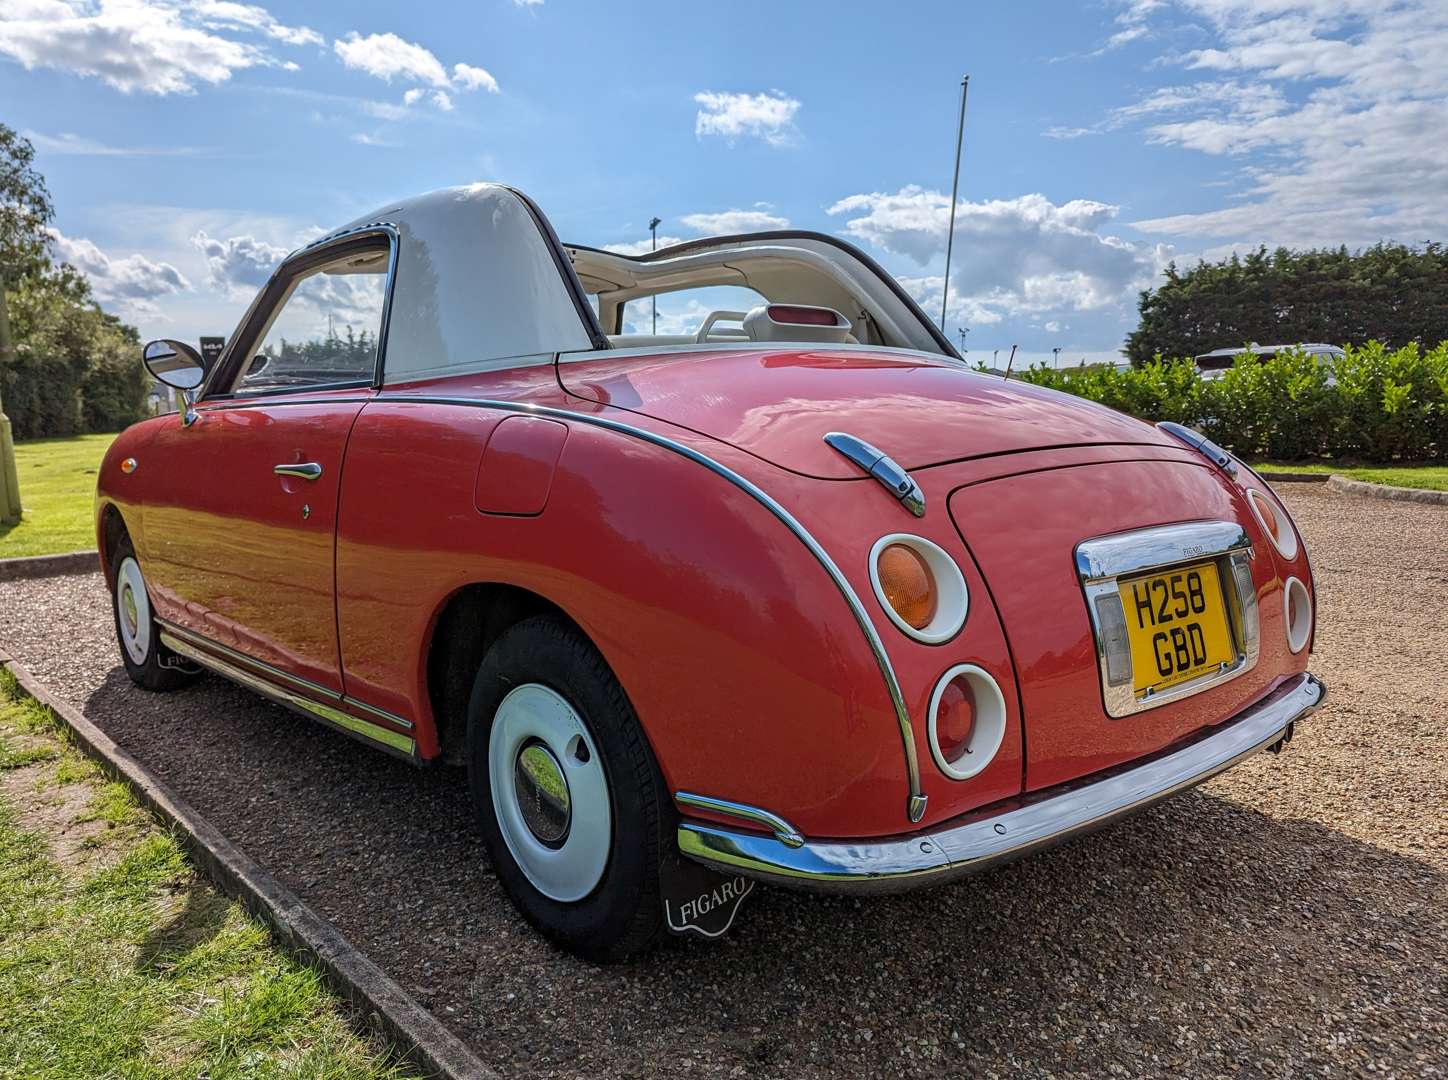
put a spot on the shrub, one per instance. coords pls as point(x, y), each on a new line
point(1374, 404)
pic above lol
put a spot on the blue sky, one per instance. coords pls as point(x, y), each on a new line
point(189, 143)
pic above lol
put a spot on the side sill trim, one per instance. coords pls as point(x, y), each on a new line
point(315, 710)
point(986, 838)
point(916, 800)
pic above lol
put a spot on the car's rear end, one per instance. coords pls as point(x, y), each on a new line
point(1140, 615)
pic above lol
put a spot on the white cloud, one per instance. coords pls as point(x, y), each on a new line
point(642, 247)
point(388, 57)
point(1335, 111)
point(132, 283)
point(527, 3)
point(69, 143)
point(368, 139)
point(1025, 255)
point(224, 14)
point(734, 221)
point(239, 265)
point(155, 48)
point(768, 116)
point(468, 77)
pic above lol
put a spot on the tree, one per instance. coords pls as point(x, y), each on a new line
point(1390, 293)
point(73, 367)
point(25, 210)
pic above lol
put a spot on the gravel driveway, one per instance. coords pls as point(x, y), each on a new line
point(1287, 919)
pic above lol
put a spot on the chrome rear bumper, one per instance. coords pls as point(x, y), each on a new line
point(971, 843)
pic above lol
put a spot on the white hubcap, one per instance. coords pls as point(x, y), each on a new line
point(133, 611)
point(550, 794)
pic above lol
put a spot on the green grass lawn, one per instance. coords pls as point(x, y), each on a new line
point(118, 960)
point(1433, 477)
point(57, 488)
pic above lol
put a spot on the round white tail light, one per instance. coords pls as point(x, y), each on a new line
point(967, 721)
point(1274, 523)
point(1298, 607)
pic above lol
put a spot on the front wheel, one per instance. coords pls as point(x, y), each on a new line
point(149, 663)
point(568, 794)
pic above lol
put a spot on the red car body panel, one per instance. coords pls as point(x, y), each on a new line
point(779, 404)
point(747, 670)
point(229, 554)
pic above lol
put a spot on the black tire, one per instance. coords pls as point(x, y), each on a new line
point(156, 667)
point(623, 914)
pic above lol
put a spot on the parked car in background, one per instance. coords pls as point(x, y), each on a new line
point(1212, 364)
point(788, 595)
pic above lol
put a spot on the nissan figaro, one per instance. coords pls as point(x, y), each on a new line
point(788, 595)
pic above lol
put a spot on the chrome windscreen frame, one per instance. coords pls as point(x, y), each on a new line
point(1101, 562)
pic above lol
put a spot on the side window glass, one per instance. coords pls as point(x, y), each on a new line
point(326, 328)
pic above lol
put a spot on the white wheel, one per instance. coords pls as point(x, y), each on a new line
point(550, 793)
point(133, 611)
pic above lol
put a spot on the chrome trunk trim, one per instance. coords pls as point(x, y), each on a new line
point(1102, 561)
point(1013, 828)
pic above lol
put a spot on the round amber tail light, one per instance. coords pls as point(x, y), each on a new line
point(909, 588)
point(1274, 523)
point(967, 721)
point(919, 586)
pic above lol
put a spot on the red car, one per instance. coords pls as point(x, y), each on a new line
point(788, 594)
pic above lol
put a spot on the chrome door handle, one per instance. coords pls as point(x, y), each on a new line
point(307, 470)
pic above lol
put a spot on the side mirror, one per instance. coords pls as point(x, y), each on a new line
point(174, 363)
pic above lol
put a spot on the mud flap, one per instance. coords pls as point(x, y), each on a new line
point(700, 901)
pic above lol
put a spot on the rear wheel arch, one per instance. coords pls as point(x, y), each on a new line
point(465, 627)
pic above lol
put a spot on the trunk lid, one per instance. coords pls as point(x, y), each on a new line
point(778, 404)
point(1068, 733)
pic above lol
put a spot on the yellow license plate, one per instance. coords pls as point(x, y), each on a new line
point(1176, 622)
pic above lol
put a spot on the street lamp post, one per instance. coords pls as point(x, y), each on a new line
point(654, 246)
point(9, 479)
point(1056, 357)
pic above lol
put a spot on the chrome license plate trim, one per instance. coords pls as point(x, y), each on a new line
point(1101, 561)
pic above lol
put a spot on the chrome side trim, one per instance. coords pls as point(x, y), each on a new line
point(1102, 561)
point(1015, 828)
point(916, 800)
point(783, 831)
point(882, 467)
point(276, 674)
point(264, 670)
point(315, 710)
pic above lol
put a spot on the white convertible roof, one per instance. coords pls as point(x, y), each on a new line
point(481, 282)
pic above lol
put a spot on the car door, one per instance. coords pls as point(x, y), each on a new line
point(240, 530)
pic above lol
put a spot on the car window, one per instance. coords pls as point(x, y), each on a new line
point(684, 310)
point(325, 329)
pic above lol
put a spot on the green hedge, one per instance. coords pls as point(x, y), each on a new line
point(1374, 404)
point(75, 369)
